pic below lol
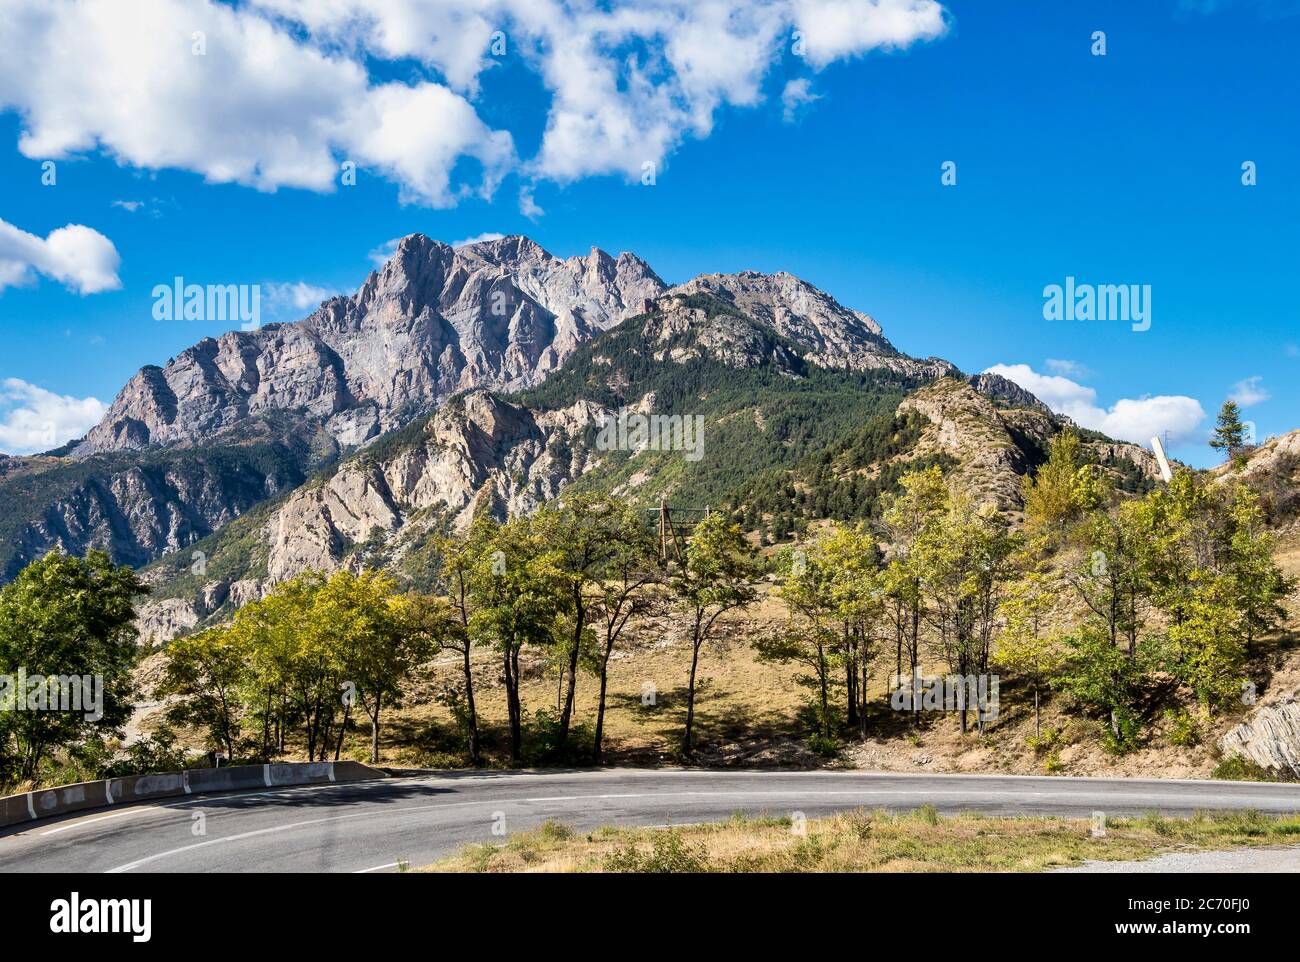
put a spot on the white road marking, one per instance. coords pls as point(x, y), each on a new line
point(102, 818)
point(377, 868)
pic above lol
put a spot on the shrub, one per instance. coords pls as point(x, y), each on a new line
point(1182, 728)
point(669, 853)
point(1238, 768)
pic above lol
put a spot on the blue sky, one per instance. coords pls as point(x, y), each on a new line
point(1116, 169)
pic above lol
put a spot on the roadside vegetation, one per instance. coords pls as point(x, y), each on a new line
point(1124, 620)
point(867, 841)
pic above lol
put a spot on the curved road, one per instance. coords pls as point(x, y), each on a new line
point(370, 826)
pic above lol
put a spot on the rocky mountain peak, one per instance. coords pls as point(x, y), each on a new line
point(432, 321)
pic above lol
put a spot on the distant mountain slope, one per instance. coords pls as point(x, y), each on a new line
point(783, 437)
point(232, 421)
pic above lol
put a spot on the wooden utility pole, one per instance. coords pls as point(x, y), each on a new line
point(668, 533)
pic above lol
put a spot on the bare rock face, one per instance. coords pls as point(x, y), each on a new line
point(995, 446)
point(138, 511)
point(163, 620)
point(1000, 388)
point(1271, 738)
point(478, 452)
point(683, 332)
point(835, 336)
point(967, 427)
point(433, 321)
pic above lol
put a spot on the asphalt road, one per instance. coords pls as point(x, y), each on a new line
point(371, 826)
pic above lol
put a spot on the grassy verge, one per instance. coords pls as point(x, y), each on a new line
point(864, 841)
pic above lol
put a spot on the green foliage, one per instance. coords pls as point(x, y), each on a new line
point(1182, 728)
point(1239, 768)
point(784, 436)
point(669, 852)
point(1046, 741)
point(302, 657)
point(718, 576)
point(833, 589)
point(1229, 433)
point(157, 752)
point(65, 617)
point(1104, 681)
point(1065, 487)
point(206, 674)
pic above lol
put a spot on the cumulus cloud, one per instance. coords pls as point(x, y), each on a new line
point(81, 258)
point(797, 93)
point(33, 419)
point(1130, 419)
point(229, 94)
point(836, 29)
point(1249, 391)
point(283, 92)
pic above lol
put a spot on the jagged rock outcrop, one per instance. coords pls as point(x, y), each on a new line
point(833, 335)
point(1001, 389)
point(1271, 738)
point(479, 452)
point(966, 426)
point(680, 331)
point(433, 321)
point(995, 446)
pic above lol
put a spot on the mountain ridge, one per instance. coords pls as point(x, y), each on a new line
point(235, 420)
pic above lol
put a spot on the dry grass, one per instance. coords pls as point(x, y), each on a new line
point(863, 841)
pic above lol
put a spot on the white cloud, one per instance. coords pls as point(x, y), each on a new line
point(382, 254)
point(1129, 419)
point(33, 419)
point(527, 206)
point(836, 29)
point(284, 92)
point(81, 258)
point(259, 107)
point(797, 93)
point(1066, 368)
point(296, 295)
point(130, 206)
point(1249, 391)
point(478, 239)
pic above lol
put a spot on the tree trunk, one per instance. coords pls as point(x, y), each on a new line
point(579, 622)
point(1038, 728)
point(469, 705)
point(343, 730)
point(512, 703)
point(850, 677)
point(687, 750)
point(600, 707)
point(374, 732)
point(822, 672)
